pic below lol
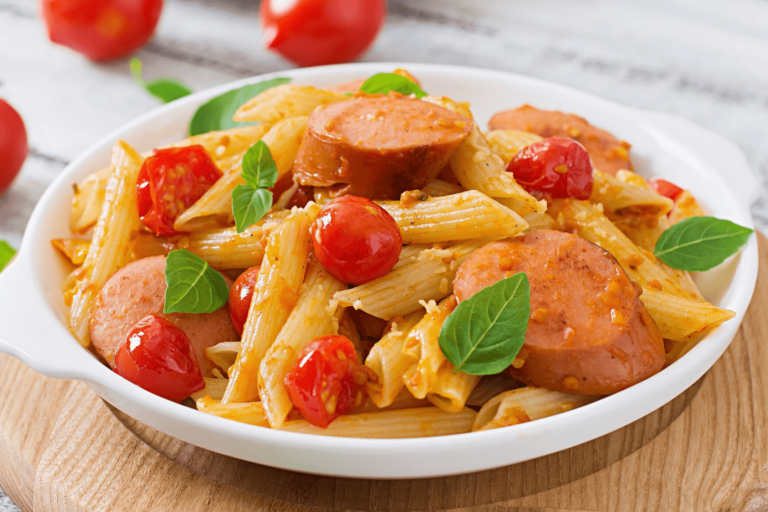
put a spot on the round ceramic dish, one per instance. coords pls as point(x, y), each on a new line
point(32, 324)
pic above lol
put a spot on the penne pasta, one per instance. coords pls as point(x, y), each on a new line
point(312, 316)
point(526, 404)
point(685, 207)
point(420, 422)
point(224, 145)
point(430, 277)
point(680, 318)
point(506, 143)
point(88, 199)
point(439, 188)
point(74, 249)
point(619, 198)
point(464, 216)
point(403, 400)
point(113, 237)
point(251, 413)
point(538, 222)
point(214, 388)
point(286, 101)
point(274, 297)
point(223, 355)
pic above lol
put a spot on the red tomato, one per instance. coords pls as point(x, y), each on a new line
point(158, 357)
point(355, 239)
point(322, 383)
point(556, 166)
point(318, 32)
point(240, 295)
point(170, 181)
point(665, 188)
point(13, 145)
point(101, 30)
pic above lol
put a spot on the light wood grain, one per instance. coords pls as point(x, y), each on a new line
point(63, 449)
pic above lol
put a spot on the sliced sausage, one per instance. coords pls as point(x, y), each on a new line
point(378, 146)
point(608, 153)
point(138, 290)
point(588, 332)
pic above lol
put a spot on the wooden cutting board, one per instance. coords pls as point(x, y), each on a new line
point(63, 449)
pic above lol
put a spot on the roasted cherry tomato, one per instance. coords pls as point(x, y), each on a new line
point(170, 181)
point(101, 30)
point(326, 380)
point(240, 295)
point(556, 166)
point(158, 357)
point(355, 239)
point(13, 145)
point(318, 32)
point(665, 188)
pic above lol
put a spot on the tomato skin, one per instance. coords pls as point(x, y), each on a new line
point(325, 368)
point(102, 30)
point(13, 145)
point(556, 166)
point(170, 181)
point(240, 295)
point(158, 357)
point(318, 32)
point(355, 239)
point(665, 188)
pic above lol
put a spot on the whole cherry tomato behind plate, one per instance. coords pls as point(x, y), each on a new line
point(102, 30)
point(319, 32)
point(13, 145)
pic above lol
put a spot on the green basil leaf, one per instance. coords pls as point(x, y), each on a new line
point(193, 286)
point(259, 168)
point(485, 332)
point(382, 83)
point(6, 254)
point(216, 114)
point(249, 205)
point(700, 243)
point(164, 89)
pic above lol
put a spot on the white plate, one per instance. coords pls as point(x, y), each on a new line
point(31, 307)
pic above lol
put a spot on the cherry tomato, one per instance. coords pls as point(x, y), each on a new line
point(355, 239)
point(240, 295)
point(556, 166)
point(318, 32)
point(13, 145)
point(326, 382)
point(101, 30)
point(158, 357)
point(170, 181)
point(665, 188)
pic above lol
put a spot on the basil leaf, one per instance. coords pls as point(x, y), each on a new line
point(216, 114)
point(249, 205)
point(164, 89)
point(193, 286)
point(6, 254)
point(382, 83)
point(700, 243)
point(485, 332)
point(259, 168)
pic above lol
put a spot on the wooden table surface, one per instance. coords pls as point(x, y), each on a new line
point(706, 60)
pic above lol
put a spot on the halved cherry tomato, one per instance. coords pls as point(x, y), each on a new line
point(240, 295)
point(158, 357)
point(170, 181)
point(665, 188)
point(318, 32)
point(13, 145)
point(355, 239)
point(326, 380)
point(101, 30)
point(556, 166)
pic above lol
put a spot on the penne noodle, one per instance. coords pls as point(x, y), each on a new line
point(491, 386)
point(439, 188)
point(403, 400)
point(312, 316)
point(451, 390)
point(680, 318)
point(538, 222)
point(526, 404)
point(464, 216)
point(619, 198)
point(461, 108)
point(74, 249)
point(214, 388)
point(403, 423)
point(430, 277)
point(506, 143)
point(251, 413)
point(286, 101)
point(113, 237)
point(410, 254)
point(274, 297)
point(685, 207)
point(223, 355)
point(88, 199)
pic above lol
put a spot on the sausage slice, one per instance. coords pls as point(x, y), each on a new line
point(608, 154)
point(588, 332)
point(378, 147)
point(138, 290)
